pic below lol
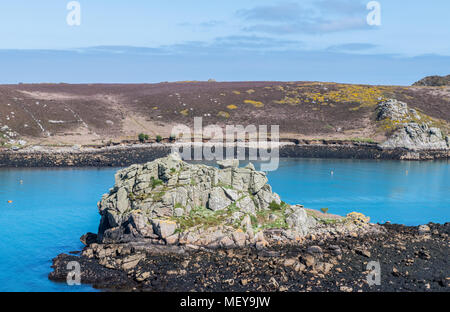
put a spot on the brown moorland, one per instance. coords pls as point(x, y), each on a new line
point(64, 114)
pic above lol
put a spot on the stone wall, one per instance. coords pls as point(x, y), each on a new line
point(130, 155)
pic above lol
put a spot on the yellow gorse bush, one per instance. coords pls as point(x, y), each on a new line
point(331, 94)
point(254, 103)
point(390, 125)
point(289, 100)
point(223, 114)
point(366, 96)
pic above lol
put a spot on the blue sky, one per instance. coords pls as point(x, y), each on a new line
point(152, 41)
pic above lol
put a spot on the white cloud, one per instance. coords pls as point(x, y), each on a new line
point(323, 16)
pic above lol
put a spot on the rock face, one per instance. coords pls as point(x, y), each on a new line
point(10, 137)
point(172, 202)
point(411, 129)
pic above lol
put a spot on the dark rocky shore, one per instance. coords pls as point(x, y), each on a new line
point(121, 156)
point(411, 259)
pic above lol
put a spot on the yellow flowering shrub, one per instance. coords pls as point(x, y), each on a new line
point(289, 100)
point(256, 104)
point(390, 125)
point(223, 114)
point(366, 96)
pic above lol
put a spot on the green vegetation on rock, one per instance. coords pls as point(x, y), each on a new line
point(203, 217)
point(156, 182)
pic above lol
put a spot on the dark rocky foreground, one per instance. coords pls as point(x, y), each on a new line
point(411, 259)
point(128, 155)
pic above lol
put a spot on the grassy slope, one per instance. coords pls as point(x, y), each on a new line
point(95, 113)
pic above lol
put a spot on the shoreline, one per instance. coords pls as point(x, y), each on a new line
point(334, 263)
point(169, 225)
point(125, 155)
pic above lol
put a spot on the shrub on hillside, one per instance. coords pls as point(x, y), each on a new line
point(142, 137)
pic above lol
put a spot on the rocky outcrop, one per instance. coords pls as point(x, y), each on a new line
point(433, 81)
point(10, 138)
point(168, 213)
point(169, 201)
point(411, 129)
point(418, 137)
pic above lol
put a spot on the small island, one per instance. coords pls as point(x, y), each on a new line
point(168, 225)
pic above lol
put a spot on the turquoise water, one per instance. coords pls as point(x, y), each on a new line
point(410, 193)
point(51, 209)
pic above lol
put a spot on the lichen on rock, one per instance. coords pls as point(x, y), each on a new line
point(171, 201)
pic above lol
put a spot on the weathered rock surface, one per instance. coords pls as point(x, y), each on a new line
point(169, 201)
point(411, 129)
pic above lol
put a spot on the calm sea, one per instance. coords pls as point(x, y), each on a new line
point(52, 208)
